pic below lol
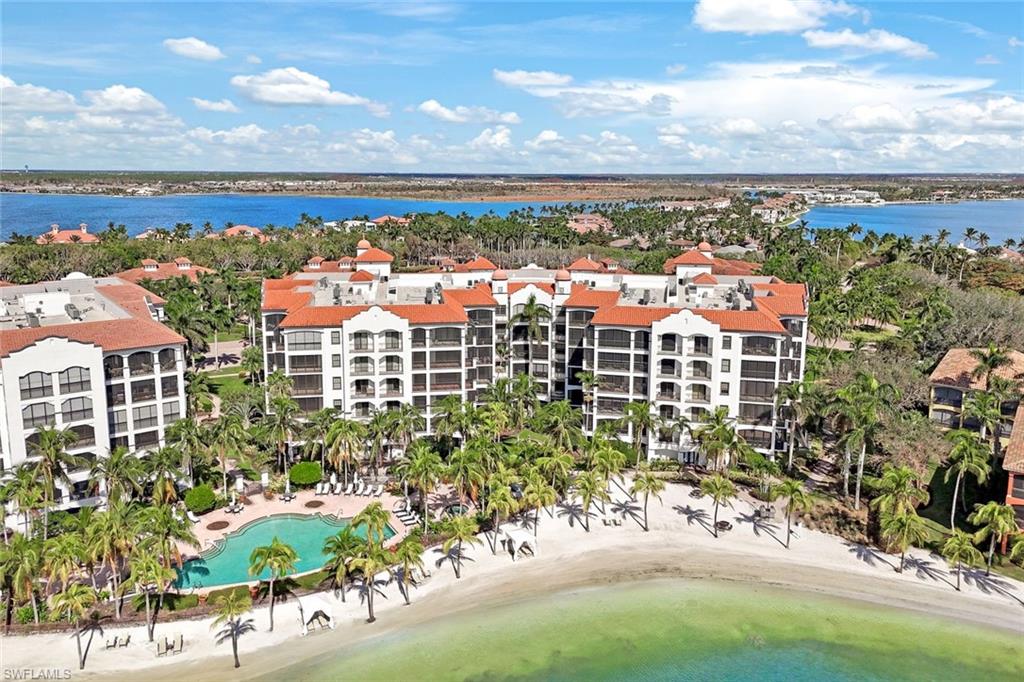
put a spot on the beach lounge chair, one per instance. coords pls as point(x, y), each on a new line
point(337, 488)
point(348, 490)
point(112, 643)
point(161, 648)
point(124, 642)
point(369, 490)
point(180, 646)
point(192, 517)
point(379, 491)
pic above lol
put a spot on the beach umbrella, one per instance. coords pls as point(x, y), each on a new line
point(334, 478)
point(287, 486)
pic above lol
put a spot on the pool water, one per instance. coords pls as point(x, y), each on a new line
point(228, 562)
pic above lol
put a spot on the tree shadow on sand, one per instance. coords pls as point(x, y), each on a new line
point(990, 584)
point(628, 508)
point(925, 569)
point(760, 526)
point(868, 554)
point(572, 510)
point(454, 556)
point(698, 516)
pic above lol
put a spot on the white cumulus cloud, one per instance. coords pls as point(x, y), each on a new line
point(524, 79)
point(28, 97)
point(247, 135)
point(737, 127)
point(766, 16)
point(464, 114)
point(497, 138)
point(253, 59)
point(873, 41)
point(194, 48)
point(122, 98)
point(292, 86)
point(224, 105)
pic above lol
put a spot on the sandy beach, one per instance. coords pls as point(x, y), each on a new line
point(679, 544)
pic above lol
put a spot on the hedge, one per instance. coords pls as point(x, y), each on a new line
point(305, 473)
point(200, 499)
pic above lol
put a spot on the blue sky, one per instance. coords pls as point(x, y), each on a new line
point(722, 86)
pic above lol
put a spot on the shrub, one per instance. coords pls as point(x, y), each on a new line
point(200, 499)
point(305, 473)
point(23, 615)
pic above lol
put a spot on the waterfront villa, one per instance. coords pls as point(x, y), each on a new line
point(58, 236)
point(360, 338)
point(157, 272)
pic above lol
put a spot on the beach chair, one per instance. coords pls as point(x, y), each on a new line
point(192, 517)
point(124, 642)
point(337, 488)
point(112, 643)
point(180, 647)
point(369, 490)
point(348, 490)
point(360, 490)
point(379, 491)
point(161, 648)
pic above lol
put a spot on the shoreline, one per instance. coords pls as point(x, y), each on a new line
point(679, 545)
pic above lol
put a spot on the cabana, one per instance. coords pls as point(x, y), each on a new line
point(313, 609)
point(516, 540)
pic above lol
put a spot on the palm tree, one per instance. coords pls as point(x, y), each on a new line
point(27, 494)
point(499, 503)
point(589, 486)
point(72, 603)
point(450, 420)
point(120, 473)
point(899, 490)
point(797, 499)
point(344, 439)
point(375, 519)
point(409, 554)
point(797, 409)
point(465, 474)
point(230, 608)
point(720, 489)
point(193, 441)
point(280, 558)
point(903, 528)
point(25, 569)
point(717, 436)
point(279, 385)
point(537, 493)
point(340, 549)
point(648, 484)
point(318, 425)
point(113, 540)
point(462, 530)
point(424, 470)
point(641, 419)
point(589, 383)
point(557, 465)
point(380, 431)
point(1017, 551)
point(163, 466)
point(532, 315)
point(282, 422)
point(985, 409)
point(406, 420)
point(62, 555)
point(862, 402)
point(995, 521)
point(989, 360)
point(197, 393)
point(149, 575)
point(959, 549)
point(164, 529)
point(967, 456)
point(251, 364)
point(53, 463)
point(371, 560)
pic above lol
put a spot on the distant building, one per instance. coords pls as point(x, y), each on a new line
point(152, 270)
point(59, 236)
point(396, 220)
point(585, 223)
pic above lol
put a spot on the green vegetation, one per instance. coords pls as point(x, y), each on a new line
point(305, 474)
point(200, 499)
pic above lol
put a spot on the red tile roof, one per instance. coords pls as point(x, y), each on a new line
point(691, 258)
point(705, 278)
point(430, 314)
point(243, 231)
point(163, 271)
point(361, 276)
point(956, 366)
point(782, 306)
point(77, 236)
point(322, 316)
point(374, 255)
point(131, 297)
point(1013, 459)
point(478, 296)
point(585, 265)
point(513, 287)
point(742, 320)
point(480, 263)
point(585, 297)
point(631, 315)
point(780, 288)
point(739, 268)
point(280, 294)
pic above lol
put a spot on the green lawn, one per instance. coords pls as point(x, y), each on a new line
point(235, 333)
point(869, 334)
point(225, 381)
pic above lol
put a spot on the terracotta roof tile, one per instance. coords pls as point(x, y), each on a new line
point(631, 315)
point(692, 258)
point(163, 271)
point(585, 265)
point(1013, 459)
point(738, 268)
point(374, 255)
point(784, 306)
point(585, 297)
point(956, 366)
point(705, 278)
point(478, 296)
point(513, 287)
point(361, 276)
point(479, 264)
point(742, 320)
point(110, 335)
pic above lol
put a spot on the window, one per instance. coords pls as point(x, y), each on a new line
point(392, 364)
point(723, 388)
point(144, 417)
point(701, 345)
point(336, 360)
point(758, 345)
point(643, 340)
point(303, 341)
point(362, 341)
point(76, 409)
point(119, 442)
point(336, 404)
point(946, 418)
point(168, 359)
point(85, 437)
point(118, 421)
point(169, 387)
point(580, 318)
point(113, 367)
point(502, 311)
point(172, 412)
point(147, 439)
point(613, 361)
point(39, 414)
point(726, 365)
point(755, 369)
point(36, 385)
point(304, 364)
point(335, 338)
point(757, 439)
point(763, 391)
point(362, 366)
point(392, 341)
point(419, 338)
point(337, 384)
point(755, 414)
point(948, 396)
point(115, 394)
point(143, 390)
point(726, 342)
point(307, 384)
point(669, 343)
point(446, 336)
point(74, 380)
point(271, 322)
point(613, 338)
point(140, 363)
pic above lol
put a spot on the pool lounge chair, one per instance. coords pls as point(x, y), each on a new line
point(348, 490)
point(337, 488)
point(192, 517)
point(369, 490)
point(379, 491)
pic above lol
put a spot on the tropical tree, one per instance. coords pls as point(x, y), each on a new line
point(62, 556)
point(406, 420)
point(958, 550)
point(899, 489)
point(985, 409)
point(967, 456)
point(119, 473)
point(902, 528)
point(113, 541)
point(797, 499)
point(589, 486)
point(341, 549)
point(380, 431)
point(279, 385)
point(72, 603)
point(995, 521)
point(1017, 550)
point(25, 568)
point(862, 403)
point(465, 474)
point(52, 463)
point(717, 436)
point(371, 560)
point(164, 468)
point(409, 553)
point(163, 530)
point(462, 531)
point(499, 503)
point(197, 393)
point(534, 316)
point(280, 558)
point(720, 489)
point(374, 518)
point(344, 439)
point(149, 575)
point(646, 483)
point(537, 493)
point(318, 425)
point(230, 608)
point(989, 360)
point(193, 441)
point(640, 417)
point(424, 469)
point(449, 421)
point(282, 421)
point(797, 398)
point(25, 491)
point(251, 364)
point(557, 465)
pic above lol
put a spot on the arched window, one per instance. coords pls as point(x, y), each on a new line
point(35, 385)
point(74, 380)
point(38, 414)
point(76, 409)
point(168, 359)
point(113, 366)
point(140, 363)
point(392, 340)
point(86, 435)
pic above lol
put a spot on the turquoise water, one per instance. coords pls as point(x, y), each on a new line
point(999, 219)
point(671, 630)
point(33, 213)
point(228, 563)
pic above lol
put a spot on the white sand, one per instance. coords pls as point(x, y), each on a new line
point(677, 545)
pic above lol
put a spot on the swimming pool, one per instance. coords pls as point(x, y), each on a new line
point(228, 562)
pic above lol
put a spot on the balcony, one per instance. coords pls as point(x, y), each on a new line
point(307, 391)
point(306, 369)
point(393, 369)
point(668, 395)
point(699, 376)
point(445, 387)
point(447, 364)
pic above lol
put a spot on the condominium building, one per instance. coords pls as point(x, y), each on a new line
point(355, 336)
point(88, 355)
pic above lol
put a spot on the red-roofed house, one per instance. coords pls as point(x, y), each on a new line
point(157, 272)
point(58, 236)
